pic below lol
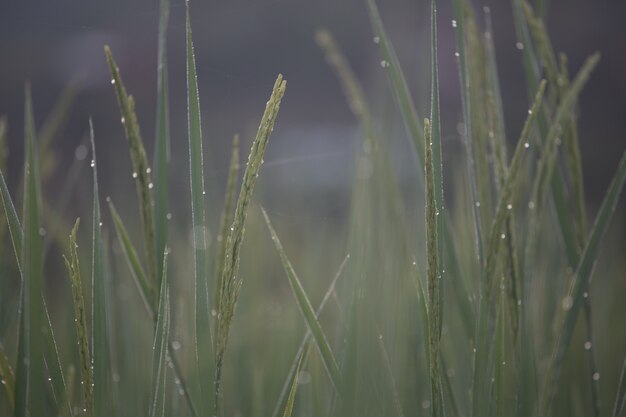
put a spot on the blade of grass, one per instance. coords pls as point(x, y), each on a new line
point(231, 284)
point(459, 15)
point(434, 277)
point(100, 360)
point(398, 83)
point(128, 249)
point(80, 320)
point(226, 219)
point(203, 336)
point(162, 142)
point(65, 409)
point(415, 131)
point(620, 398)
point(308, 313)
point(391, 381)
point(159, 349)
point(13, 221)
point(294, 386)
point(8, 377)
point(281, 402)
point(141, 169)
point(572, 303)
point(32, 275)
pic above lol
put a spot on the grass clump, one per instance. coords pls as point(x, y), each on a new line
point(472, 312)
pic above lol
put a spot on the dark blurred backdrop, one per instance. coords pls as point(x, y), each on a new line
point(242, 44)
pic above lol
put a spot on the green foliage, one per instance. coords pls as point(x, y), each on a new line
point(490, 329)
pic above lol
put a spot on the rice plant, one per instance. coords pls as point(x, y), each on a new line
point(466, 304)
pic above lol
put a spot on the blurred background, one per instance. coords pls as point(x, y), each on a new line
point(307, 178)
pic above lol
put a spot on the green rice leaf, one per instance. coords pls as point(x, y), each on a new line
point(433, 276)
point(128, 249)
point(31, 346)
point(159, 349)
point(203, 336)
point(141, 169)
point(162, 142)
point(65, 409)
point(100, 358)
point(8, 377)
point(294, 387)
point(573, 301)
point(620, 398)
point(230, 283)
point(398, 83)
point(281, 402)
point(15, 229)
point(80, 319)
point(308, 313)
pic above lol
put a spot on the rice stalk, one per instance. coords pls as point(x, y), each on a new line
point(159, 348)
point(226, 218)
point(140, 166)
point(230, 283)
point(80, 320)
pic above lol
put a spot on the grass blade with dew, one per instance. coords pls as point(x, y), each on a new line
point(398, 83)
point(391, 381)
point(507, 191)
point(203, 337)
point(433, 276)
point(140, 280)
point(80, 320)
point(13, 221)
point(162, 143)
point(620, 398)
point(30, 389)
point(291, 399)
point(65, 409)
point(140, 166)
point(308, 313)
point(573, 301)
point(8, 377)
point(435, 144)
point(100, 359)
point(459, 14)
point(281, 402)
point(159, 349)
point(230, 284)
point(415, 131)
point(134, 264)
point(226, 219)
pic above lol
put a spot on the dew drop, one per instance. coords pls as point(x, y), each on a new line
point(567, 303)
point(526, 145)
point(502, 236)
point(477, 204)
point(380, 337)
point(150, 186)
point(376, 39)
point(384, 63)
point(531, 205)
point(148, 170)
point(519, 46)
point(587, 345)
point(176, 344)
point(42, 231)
point(456, 54)
point(123, 120)
point(134, 175)
point(530, 111)
point(93, 163)
point(169, 216)
point(100, 224)
point(113, 81)
point(509, 206)
point(453, 23)
point(425, 404)
point(586, 294)
point(596, 376)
